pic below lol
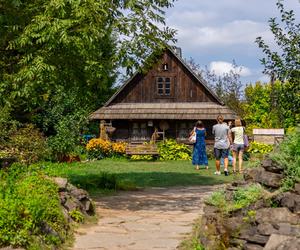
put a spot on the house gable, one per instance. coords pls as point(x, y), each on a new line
point(170, 80)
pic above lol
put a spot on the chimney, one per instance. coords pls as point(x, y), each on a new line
point(177, 51)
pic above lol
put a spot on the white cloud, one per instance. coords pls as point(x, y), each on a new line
point(238, 32)
point(220, 67)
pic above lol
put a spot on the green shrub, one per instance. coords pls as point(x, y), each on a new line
point(28, 145)
point(288, 156)
point(30, 212)
point(257, 147)
point(67, 136)
point(171, 150)
point(242, 197)
point(76, 216)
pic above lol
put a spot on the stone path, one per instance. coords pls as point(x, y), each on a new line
point(156, 218)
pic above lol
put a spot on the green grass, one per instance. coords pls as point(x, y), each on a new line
point(138, 173)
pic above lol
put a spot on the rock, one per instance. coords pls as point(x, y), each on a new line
point(289, 200)
point(63, 196)
point(71, 205)
point(263, 177)
point(253, 247)
point(79, 194)
point(297, 188)
point(61, 183)
point(290, 244)
point(88, 206)
point(266, 229)
point(271, 166)
point(208, 209)
point(276, 240)
point(276, 215)
point(237, 243)
point(233, 224)
point(46, 229)
point(287, 229)
point(258, 239)
point(239, 183)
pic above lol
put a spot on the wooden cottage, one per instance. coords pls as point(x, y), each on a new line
point(170, 97)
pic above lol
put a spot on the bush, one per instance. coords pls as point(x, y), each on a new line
point(261, 148)
point(171, 150)
point(30, 212)
point(242, 197)
point(99, 148)
point(288, 156)
point(27, 144)
point(67, 137)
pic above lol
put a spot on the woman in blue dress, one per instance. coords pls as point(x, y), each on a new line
point(199, 152)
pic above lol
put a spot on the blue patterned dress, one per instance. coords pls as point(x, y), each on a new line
point(199, 153)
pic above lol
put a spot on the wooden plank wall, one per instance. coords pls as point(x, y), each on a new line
point(184, 87)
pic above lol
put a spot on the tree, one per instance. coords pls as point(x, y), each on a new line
point(58, 50)
point(257, 106)
point(76, 44)
point(284, 64)
point(228, 87)
point(281, 63)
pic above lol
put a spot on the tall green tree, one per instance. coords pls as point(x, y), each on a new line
point(283, 63)
point(60, 58)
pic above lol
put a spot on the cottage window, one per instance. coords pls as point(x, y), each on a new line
point(163, 86)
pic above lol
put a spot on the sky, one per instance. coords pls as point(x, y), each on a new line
point(216, 32)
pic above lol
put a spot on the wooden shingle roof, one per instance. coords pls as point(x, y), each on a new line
point(167, 111)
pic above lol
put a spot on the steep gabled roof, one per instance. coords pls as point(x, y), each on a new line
point(199, 79)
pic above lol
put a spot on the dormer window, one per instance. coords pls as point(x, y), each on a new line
point(163, 86)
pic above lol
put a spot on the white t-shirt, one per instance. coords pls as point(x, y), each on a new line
point(238, 135)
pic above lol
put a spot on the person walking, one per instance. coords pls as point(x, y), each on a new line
point(237, 145)
point(222, 143)
point(199, 152)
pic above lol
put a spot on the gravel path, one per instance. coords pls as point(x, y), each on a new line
point(155, 218)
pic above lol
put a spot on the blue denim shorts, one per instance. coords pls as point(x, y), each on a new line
point(221, 153)
point(238, 147)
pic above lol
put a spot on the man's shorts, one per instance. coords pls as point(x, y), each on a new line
point(221, 153)
point(238, 147)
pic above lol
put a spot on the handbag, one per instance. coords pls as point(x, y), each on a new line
point(192, 137)
point(246, 141)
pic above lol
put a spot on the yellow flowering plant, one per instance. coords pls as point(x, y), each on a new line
point(98, 148)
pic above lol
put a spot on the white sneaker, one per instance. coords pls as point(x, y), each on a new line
point(217, 173)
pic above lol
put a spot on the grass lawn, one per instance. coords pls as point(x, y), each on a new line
point(137, 173)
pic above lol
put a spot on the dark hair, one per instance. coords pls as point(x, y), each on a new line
point(199, 124)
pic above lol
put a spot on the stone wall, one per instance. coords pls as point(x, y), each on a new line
point(271, 223)
point(73, 199)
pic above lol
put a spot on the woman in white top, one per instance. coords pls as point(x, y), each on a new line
point(238, 144)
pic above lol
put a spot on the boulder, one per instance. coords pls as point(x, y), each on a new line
point(271, 166)
point(276, 215)
point(282, 242)
point(297, 188)
point(257, 239)
point(79, 194)
point(266, 229)
point(61, 183)
point(293, 243)
point(253, 247)
point(263, 177)
point(289, 200)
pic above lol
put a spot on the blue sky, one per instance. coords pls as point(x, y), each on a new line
point(215, 32)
